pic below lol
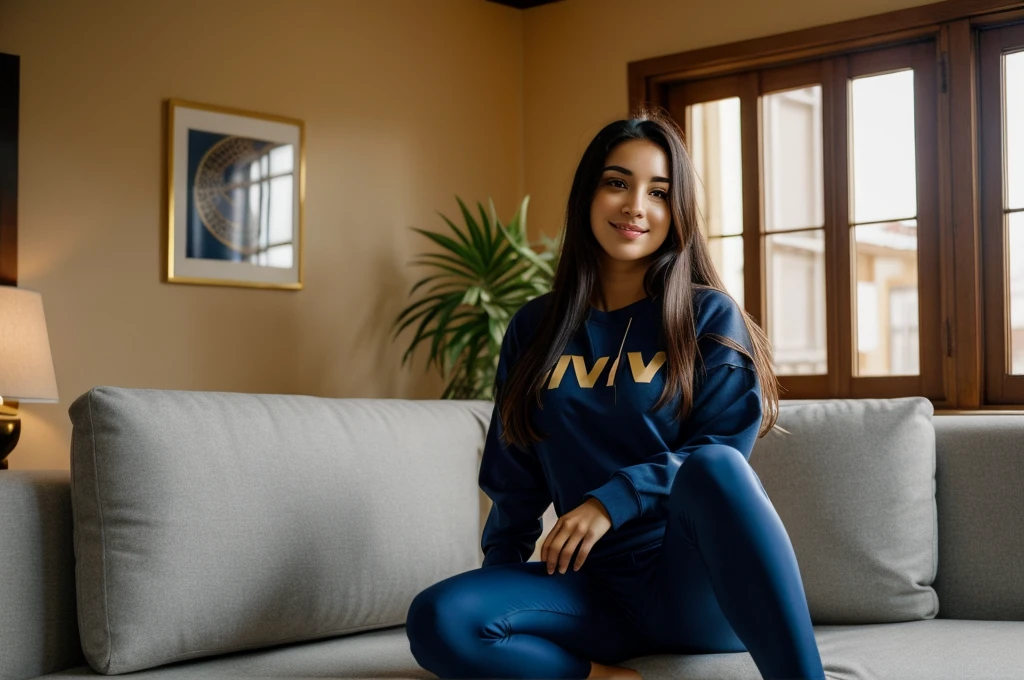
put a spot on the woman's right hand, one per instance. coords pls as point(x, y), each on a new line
point(581, 527)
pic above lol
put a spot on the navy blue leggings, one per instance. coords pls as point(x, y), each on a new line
point(724, 579)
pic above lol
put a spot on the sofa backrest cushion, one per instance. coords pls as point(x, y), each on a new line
point(207, 523)
point(980, 494)
point(854, 484)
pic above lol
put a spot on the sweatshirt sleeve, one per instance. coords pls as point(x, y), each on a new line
point(727, 411)
point(512, 478)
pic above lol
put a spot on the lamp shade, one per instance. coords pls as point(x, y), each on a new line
point(26, 367)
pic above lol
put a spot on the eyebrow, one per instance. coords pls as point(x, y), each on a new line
point(624, 171)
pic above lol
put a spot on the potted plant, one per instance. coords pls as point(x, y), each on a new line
point(481, 278)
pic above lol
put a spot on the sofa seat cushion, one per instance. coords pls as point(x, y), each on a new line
point(938, 649)
point(374, 654)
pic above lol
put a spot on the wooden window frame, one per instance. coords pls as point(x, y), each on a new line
point(957, 350)
point(1000, 388)
point(921, 57)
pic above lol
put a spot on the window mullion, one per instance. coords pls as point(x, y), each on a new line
point(931, 296)
point(753, 292)
point(960, 128)
point(838, 240)
point(830, 143)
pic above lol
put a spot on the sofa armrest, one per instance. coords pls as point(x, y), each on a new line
point(38, 623)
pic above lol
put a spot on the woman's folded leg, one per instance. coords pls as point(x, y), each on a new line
point(517, 621)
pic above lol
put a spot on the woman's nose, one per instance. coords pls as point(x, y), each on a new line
point(634, 207)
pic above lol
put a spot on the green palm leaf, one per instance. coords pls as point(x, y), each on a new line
point(448, 267)
point(427, 280)
point(474, 230)
point(473, 246)
point(481, 277)
point(464, 254)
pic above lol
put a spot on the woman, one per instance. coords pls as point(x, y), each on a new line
point(666, 542)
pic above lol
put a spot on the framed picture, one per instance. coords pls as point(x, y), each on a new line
point(236, 189)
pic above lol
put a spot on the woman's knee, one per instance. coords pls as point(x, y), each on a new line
point(429, 614)
point(714, 466)
point(426, 628)
point(422, 616)
point(445, 616)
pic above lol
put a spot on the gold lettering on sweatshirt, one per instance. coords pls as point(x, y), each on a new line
point(642, 373)
point(613, 372)
point(587, 378)
point(559, 371)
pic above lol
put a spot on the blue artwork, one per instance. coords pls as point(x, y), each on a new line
point(239, 198)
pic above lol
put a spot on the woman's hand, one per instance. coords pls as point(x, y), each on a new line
point(586, 524)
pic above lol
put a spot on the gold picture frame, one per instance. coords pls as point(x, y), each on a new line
point(236, 194)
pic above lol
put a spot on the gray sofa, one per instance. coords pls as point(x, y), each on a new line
point(203, 535)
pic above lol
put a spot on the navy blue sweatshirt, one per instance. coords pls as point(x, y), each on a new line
point(603, 443)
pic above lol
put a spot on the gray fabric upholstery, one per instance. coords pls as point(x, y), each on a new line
point(939, 649)
point(853, 482)
point(374, 654)
point(208, 522)
point(917, 650)
point(981, 517)
point(979, 480)
point(38, 632)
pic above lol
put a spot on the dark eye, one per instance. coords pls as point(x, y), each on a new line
point(616, 182)
point(659, 193)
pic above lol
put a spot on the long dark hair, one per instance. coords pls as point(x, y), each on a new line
point(679, 267)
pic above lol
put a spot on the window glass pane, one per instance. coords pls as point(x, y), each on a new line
point(904, 344)
point(795, 278)
point(713, 132)
point(280, 212)
point(884, 168)
point(282, 159)
point(885, 305)
point(278, 256)
point(1013, 87)
point(1015, 243)
point(793, 179)
point(727, 254)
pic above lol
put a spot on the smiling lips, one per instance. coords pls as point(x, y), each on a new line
point(630, 231)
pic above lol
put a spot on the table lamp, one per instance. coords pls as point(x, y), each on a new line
point(26, 367)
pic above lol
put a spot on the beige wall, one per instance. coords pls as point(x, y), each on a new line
point(575, 61)
point(406, 103)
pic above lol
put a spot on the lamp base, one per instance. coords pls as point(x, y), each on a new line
point(10, 432)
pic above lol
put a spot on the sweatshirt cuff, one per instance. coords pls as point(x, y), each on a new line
point(501, 554)
point(619, 498)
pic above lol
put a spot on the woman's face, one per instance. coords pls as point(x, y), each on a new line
point(630, 214)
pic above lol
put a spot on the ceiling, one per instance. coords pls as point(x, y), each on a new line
point(524, 4)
